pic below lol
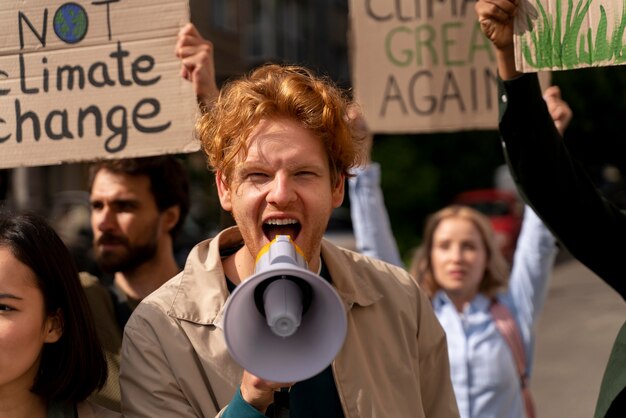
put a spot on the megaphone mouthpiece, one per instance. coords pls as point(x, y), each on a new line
point(282, 301)
point(280, 250)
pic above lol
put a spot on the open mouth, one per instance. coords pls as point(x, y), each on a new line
point(274, 227)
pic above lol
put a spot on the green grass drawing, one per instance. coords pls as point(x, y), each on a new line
point(570, 46)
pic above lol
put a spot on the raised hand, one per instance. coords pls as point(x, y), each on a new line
point(196, 55)
point(362, 132)
point(496, 21)
point(559, 109)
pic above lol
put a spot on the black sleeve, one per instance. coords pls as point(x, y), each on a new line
point(557, 186)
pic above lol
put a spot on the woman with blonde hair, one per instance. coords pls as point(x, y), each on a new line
point(496, 271)
point(487, 310)
point(488, 314)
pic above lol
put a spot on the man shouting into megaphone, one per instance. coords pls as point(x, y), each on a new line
point(281, 147)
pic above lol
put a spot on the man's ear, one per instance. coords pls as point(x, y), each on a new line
point(170, 217)
point(339, 191)
point(53, 327)
point(223, 191)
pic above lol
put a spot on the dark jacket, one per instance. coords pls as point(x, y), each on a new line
point(104, 308)
point(556, 185)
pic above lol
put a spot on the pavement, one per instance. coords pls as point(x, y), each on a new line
point(575, 333)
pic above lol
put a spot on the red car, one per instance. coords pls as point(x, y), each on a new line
point(503, 209)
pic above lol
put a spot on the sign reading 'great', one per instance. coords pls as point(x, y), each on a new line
point(92, 79)
point(422, 66)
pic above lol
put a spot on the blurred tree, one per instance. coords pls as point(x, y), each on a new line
point(422, 173)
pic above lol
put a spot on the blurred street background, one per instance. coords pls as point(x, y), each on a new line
point(576, 331)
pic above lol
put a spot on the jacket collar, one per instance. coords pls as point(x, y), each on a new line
point(201, 292)
point(351, 288)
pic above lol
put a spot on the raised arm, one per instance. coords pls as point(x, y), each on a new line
point(549, 179)
point(370, 221)
point(197, 63)
point(532, 266)
point(496, 21)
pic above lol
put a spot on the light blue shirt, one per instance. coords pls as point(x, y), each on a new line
point(485, 378)
point(372, 230)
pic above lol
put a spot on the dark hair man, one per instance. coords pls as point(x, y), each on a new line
point(137, 206)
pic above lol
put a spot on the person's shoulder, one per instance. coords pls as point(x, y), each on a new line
point(165, 294)
point(89, 281)
point(372, 262)
point(87, 409)
point(97, 294)
point(186, 288)
point(152, 317)
point(162, 298)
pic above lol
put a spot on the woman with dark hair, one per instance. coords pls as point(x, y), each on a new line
point(50, 356)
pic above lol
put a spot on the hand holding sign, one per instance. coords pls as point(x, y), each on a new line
point(559, 109)
point(496, 21)
point(196, 54)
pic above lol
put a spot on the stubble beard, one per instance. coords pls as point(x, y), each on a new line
point(130, 259)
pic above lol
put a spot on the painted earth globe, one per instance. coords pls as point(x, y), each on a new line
point(70, 23)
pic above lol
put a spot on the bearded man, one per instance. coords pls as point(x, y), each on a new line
point(138, 205)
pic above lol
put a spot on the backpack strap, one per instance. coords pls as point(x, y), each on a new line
point(510, 332)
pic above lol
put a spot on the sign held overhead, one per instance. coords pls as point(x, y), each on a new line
point(92, 79)
point(422, 66)
point(562, 35)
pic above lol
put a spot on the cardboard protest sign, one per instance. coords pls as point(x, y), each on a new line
point(559, 35)
point(92, 79)
point(422, 66)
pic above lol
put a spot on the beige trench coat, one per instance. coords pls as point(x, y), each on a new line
point(394, 362)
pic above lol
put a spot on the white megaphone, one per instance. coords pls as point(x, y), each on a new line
point(285, 323)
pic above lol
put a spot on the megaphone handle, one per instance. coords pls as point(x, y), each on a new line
point(281, 403)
